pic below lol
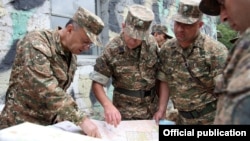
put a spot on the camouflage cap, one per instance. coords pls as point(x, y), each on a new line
point(91, 24)
point(138, 21)
point(188, 12)
point(210, 7)
point(162, 29)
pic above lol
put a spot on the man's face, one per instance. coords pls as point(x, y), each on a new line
point(131, 42)
point(78, 40)
point(186, 33)
point(160, 38)
point(236, 13)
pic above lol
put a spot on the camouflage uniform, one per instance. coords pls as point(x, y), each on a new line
point(41, 73)
point(205, 58)
point(233, 87)
point(132, 70)
point(160, 29)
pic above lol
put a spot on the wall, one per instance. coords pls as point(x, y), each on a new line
point(16, 18)
point(20, 16)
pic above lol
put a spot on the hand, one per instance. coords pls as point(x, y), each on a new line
point(112, 115)
point(90, 128)
point(159, 115)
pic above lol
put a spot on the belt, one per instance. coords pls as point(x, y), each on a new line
point(134, 93)
point(210, 107)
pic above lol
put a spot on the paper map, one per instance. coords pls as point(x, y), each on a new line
point(132, 130)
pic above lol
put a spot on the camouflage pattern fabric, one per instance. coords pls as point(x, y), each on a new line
point(39, 79)
point(134, 108)
point(129, 69)
point(234, 87)
point(161, 29)
point(207, 119)
point(206, 58)
point(138, 21)
point(188, 12)
point(91, 23)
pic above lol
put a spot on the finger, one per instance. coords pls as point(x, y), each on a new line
point(108, 119)
point(117, 120)
point(115, 123)
point(156, 118)
point(98, 135)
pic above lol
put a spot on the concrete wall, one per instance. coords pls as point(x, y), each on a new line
point(17, 18)
point(20, 16)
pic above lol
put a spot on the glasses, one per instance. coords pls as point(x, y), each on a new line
point(85, 42)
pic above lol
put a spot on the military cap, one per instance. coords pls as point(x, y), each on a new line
point(188, 12)
point(210, 7)
point(91, 23)
point(162, 29)
point(138, 21)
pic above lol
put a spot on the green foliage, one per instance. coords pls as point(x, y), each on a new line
point(227, 34)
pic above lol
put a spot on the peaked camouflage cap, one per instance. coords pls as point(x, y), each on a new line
point(91, 23)
point(138, 21)
point(162, 29)
point(188, 12)
point(210, 7)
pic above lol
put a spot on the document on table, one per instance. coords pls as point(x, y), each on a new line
point(131, 130)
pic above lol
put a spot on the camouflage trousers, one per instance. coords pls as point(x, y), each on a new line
point(135, 108)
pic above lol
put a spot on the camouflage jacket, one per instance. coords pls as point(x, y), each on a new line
point(234, 86)
point(40, 76)
point(130, 69)
point(205, 58)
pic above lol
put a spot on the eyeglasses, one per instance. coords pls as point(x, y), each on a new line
point(85, 42)
point(90, 45)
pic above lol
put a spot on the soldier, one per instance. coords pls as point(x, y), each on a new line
point(189, 65)
point(161, 35)
point(234, 86)
point(130, 59)
point(160, 32)
point(43, 69)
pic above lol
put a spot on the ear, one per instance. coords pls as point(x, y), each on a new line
point(201, 23)
point(69, 27)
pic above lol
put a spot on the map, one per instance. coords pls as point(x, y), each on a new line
point(132, 130)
